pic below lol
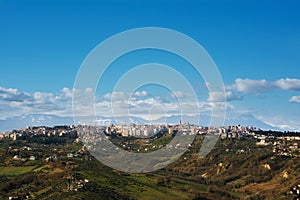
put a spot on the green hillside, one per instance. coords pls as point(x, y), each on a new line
point(235, 169)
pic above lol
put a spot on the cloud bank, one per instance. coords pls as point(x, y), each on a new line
point(250, 86)
point(14, 102)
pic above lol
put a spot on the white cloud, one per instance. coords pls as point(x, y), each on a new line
point(250, 86)
point(221, 96)
point(14, 102)
point(11, 94)
point(116, 95)
point(295, 99)
point(119, 95)
point(122, 105)
point(180, 94)
point(288, 84)
point(141, 93)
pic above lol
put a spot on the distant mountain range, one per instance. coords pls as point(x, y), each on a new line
point(18, 122)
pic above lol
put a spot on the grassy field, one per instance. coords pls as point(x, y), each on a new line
point(16, 170)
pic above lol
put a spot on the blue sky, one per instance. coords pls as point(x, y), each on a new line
point(43, 43)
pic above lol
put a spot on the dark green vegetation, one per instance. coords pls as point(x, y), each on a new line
point(235, 169)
